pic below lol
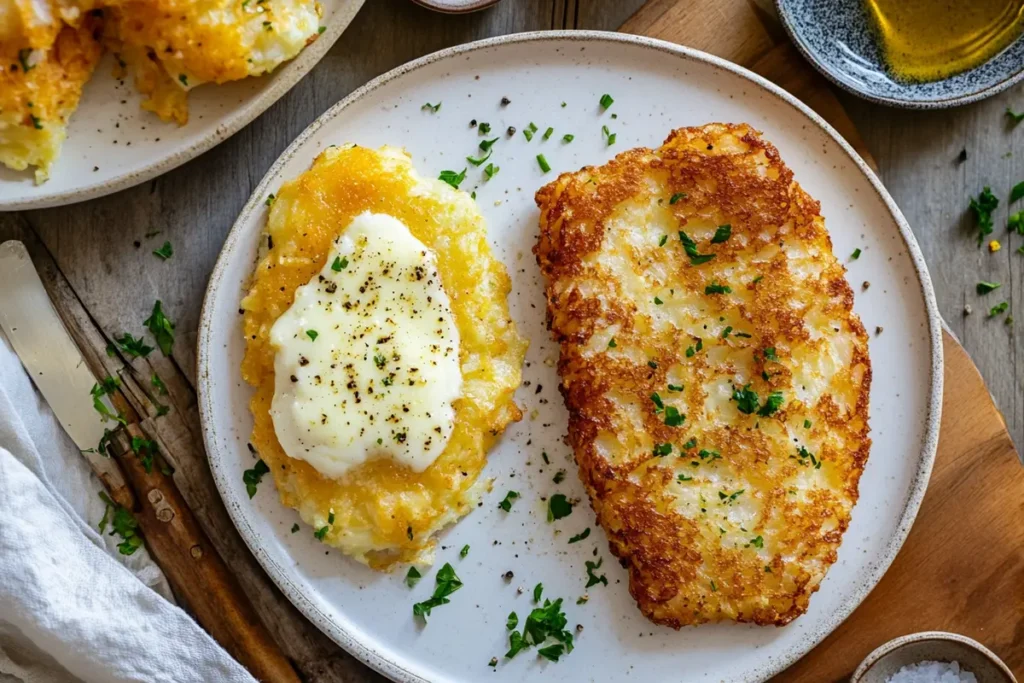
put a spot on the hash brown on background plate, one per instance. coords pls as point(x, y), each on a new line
point(715, 374)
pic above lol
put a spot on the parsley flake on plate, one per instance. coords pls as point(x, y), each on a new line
point(412, 577)
point(133, 347)
point(543, 163)
point(537, 591)
point(512, 622)
point(432, 108)
point(464, 551)
point(506, 503)
point(490, 170)
point(312, 334)
point(982, 208)
point(251, 478)
point(580, 536)
point(447, 583)
point(340, 263)
point(452, 178)
point(558, 507)
point(606, 101)
point(567, 138)
point(609, 136)
point(592, 578)
point(543, 623)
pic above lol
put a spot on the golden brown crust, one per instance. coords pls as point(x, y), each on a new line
point(743, 518)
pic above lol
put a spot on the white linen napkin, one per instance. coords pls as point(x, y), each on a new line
point(72, 608)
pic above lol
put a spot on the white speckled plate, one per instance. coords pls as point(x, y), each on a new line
point(656, 86)
point(113, 144)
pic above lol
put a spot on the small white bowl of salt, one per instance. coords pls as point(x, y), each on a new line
point(932, 657)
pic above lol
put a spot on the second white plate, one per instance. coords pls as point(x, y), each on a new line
point(557, 80)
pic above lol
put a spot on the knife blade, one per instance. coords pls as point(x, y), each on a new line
point(46, 349)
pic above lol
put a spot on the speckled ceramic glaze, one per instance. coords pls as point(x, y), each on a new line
point(113, 144)
point(557, 79)
point(836, 36)
point(934, 646)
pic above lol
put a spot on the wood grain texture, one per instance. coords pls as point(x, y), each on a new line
point(115, 282)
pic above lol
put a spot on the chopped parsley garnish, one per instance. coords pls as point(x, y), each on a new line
point(506, 503)
point(158, 384)
point(771, 404)
point(432, 108)
point(709, 454)
point(722, 233)
point(612, 344)
point(662, 449)
point(25, 53)
point(805, 455)
point(512, 621)
point(133, 347)
point(855, 255)
point(769, 353)
point(490, 170)
point(567, 138)
point(676, 197)
point(161, 328)
point(690, 247)
point(658, 301)
point(270, 199)
point(606, 101)
point(543, 163)
point(146, 449)
point(997, 309)
point(982, 207)
point(547, 621)
point(658, 403)
point(548, 133)
point(714, 588)
point(452, 178)
point(757, 542)
point(690, 352)
point(107, 386)
point(730, 497)
point(661, 242)
point(486, 145)
point(727, 331)
point(123, 523)
point(1017, 192)
point(340, 263)
point(558, 507)
point(413, 577)
point(609, 137)
point(986, 287)
point(165, 252)
point(379, 360)
point(580, 536)
point(537, 591)
point(251, 478)
point(37, 123)
point(464, 551)
point(673, 418)
point(746, 400)
point(447, 583)
point(715, 288)
point(476, 161)
point(484, 129)
point(184, 79)
point(1014, 116)
point(312, 334)
point(592, 578)
point(807, 424)
point(529, 131)
point(683, 477)
point(691, 443)
point(675, 387)
point(321, 29)
point(321, 532)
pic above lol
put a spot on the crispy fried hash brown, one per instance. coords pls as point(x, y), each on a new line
point(715, 374)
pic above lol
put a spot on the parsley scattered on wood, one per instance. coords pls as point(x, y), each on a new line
point(158, 384)
point(1015, 223)
point(145, 449)
point(506, 503)
point(998, 309)
point(1017, 192)
point(722, 233)
point(986, 287)
point(165, 252)
point(122, 523)
point(133, 347)
point(558, 507)
point(447, 583)
point(251, 478)
point(452, 178)
point(580, 536)
point(982, 208)
point(103, 388)
point(1014, 116)
point(161, 328)
point(412, 577)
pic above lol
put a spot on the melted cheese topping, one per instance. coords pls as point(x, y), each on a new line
point(367, 357)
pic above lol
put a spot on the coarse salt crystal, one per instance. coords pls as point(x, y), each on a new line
point(932, 672)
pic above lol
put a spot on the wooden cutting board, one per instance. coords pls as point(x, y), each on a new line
point(962, 566)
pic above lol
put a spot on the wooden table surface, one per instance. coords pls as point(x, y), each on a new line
point(101, 248)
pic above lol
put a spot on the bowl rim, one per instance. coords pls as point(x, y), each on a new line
point(796, 37)
point(923, 636)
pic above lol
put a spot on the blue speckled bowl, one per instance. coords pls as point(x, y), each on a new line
point(837, 38)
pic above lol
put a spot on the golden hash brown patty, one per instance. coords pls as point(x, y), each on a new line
point(715, 374)
point(384, 512)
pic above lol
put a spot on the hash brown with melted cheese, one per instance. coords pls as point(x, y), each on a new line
point(715, 374)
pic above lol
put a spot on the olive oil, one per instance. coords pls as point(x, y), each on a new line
point(928, 40)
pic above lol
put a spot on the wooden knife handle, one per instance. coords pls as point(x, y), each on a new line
point(193, 567)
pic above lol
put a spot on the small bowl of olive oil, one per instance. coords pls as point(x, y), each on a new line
point(922, 54)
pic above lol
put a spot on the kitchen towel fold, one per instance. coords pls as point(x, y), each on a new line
point(72, 608)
